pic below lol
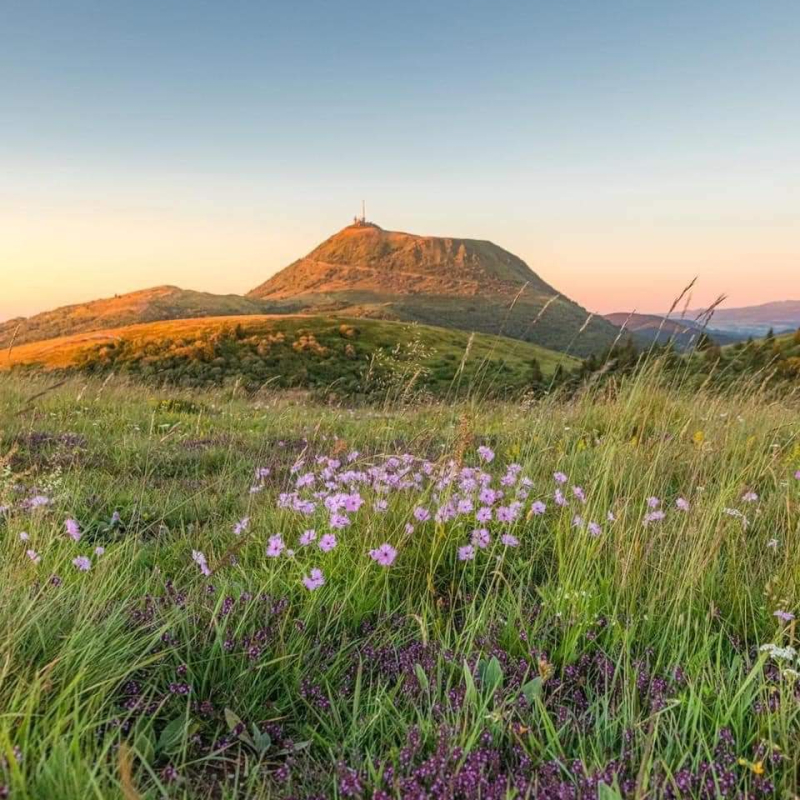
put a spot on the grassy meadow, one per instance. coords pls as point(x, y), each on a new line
point(331, 356)
point(214, 594)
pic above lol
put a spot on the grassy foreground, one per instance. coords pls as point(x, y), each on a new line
point(587, 599)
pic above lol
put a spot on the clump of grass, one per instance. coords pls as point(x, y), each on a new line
point(613, 634)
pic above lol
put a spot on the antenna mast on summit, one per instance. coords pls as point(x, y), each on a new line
point(363, 211)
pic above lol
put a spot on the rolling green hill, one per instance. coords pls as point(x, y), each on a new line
point(320, 353)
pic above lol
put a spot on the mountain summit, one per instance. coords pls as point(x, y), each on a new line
point(471, 284)
point(364, 257)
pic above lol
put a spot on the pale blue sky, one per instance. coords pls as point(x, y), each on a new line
point(620, 148)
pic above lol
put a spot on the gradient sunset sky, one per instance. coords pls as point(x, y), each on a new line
point(620, 148)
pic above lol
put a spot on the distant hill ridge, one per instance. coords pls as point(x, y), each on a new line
point(145, 305)
point(781, 315)
point(683, 333)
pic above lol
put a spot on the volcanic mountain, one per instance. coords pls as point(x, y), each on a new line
point(467, 284)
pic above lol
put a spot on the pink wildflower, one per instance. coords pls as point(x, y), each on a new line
point(481, 538)
point(314, 579)
point(275, 546)
point(384, 555)
point(486, 454)
point(327, 543)
point(199, 558)
point(466, 553)
point(73, 529)
point(307, 537)
point(484, 514)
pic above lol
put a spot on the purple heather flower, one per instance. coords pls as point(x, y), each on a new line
point(653, 502)
point(314, 579)
point(784, 616)
point(559, 477)
point(538, 508)
point(327, 542)
point(486, 454)
point(594, 529)
point(275, 546)
point(384, 555)
point(466, 553)
point(610, 517)
point(654, 516)
point(481, 538)
point(98, 551)
point(682, 504)
point(577, 521)
point(749, 497)
point(797, 475)
point(199, 558)
point(380, 505)
point(73, 529)
point(559, 498)
point(307, 537)
point(39, 500)
point(484, 514)
point(409, 529)
point(241, 526)
point(33, 556)
point(82, 563)
point(421, 514)
point(579, 493)
point(23, 537)
point(508, 540)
